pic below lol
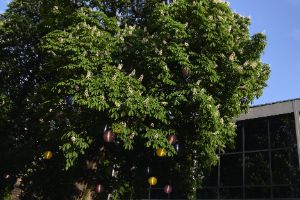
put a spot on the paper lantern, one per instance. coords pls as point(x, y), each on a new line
point(152, 180)
point(168, 189)
point(148, 170)
point(47, 155)
point(176, 147)
point(108, 136)
point(172, 139)
point(161, 152)
point(69, 100)
point(99, 188)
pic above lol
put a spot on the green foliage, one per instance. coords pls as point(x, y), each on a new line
point(144, 70)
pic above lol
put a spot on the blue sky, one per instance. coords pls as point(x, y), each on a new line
point(280, 19)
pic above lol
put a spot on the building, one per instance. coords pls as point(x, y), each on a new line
point(265, 161)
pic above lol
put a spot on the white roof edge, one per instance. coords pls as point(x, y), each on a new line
point(271, 109)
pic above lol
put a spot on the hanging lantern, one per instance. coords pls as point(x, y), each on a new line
point(99, 188)
point(168, 189)
point(109, 136)
point(176, 147)
point(172, 139)
point(69, 100)
point(152, 180)
point(161, 152)
point(47, 155)
point(148, 170)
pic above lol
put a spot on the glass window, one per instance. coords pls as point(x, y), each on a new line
point(284, 165)
point(158, 193)
point(256, 134)
point(208, 193)
point(282, 192)
point(296, 190)
point(282, 131)
point(257, 168)
point(231, 193)
point(211, 177)
point(257, 192)
point(231, 170)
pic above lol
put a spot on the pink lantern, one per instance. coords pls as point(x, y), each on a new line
point(172, 139)
point(99, 188)
point(109, 136)
point(168, 189)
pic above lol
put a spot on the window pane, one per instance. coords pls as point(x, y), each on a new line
point(282, 192)
point(256, 134)
point(211, 177)
point(231, 170)
point(231, 193)
point(296, 190)
point(257, 168)
point(284, 166)
point(208, 193)
point(158, 193)
point(282, 131)
point(257, 192)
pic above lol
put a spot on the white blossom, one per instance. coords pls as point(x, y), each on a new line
point(141, 77)
point(145, 40)
point(218, 1)
point(120, 66)
point(166, 68)
point(132, 73)
point(86, 93)
point(232, 56)
point(73, 138)
point(89, 74)
point(118, 104)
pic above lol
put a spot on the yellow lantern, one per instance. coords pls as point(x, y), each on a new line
point(152, 180)
point(47, 155)
point(161, 152)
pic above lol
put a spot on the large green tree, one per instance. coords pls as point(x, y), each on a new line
point(143, 69)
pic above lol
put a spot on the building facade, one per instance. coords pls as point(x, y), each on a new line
point(264, 164)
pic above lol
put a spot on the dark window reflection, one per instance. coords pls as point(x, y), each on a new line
point(158, 193)
point(296, 190)
point(208, 193)
point(231, 193)
point(282, 131)
point(231, 170)
point(257, 168)
point(283, 166)
point(211, 177)
point(264, 137)
point(257, 192)
point(142, 194)
point(282, 192)
point(256, 134)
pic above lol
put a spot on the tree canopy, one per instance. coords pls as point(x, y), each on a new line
point(143, 70)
